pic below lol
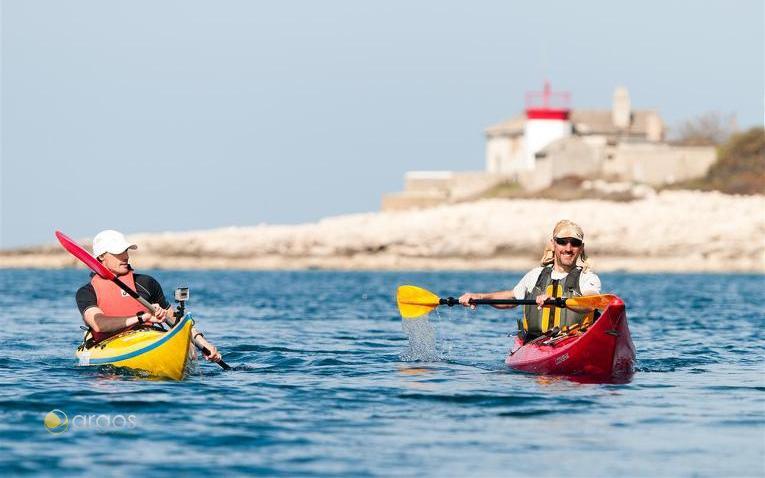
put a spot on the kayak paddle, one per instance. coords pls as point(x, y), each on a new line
point(84, 256)
point(415, 301)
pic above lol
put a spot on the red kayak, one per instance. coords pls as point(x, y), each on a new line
point(604, 349)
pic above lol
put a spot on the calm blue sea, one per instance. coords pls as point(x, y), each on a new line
point(328, 381)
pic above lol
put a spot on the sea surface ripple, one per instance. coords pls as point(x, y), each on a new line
point(329, 381)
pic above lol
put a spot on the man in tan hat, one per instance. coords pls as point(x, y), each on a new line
point(107, 310)
point(563, 272)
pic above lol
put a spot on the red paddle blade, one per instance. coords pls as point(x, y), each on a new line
point(84, 256)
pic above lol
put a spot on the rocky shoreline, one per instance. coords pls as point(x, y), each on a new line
point(673, 231)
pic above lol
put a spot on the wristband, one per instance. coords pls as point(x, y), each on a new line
point(198, 334)
point(139, 316)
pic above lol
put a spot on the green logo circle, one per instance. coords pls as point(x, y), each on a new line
point(56, 422)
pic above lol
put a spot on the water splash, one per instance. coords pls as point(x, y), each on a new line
point(422, 341)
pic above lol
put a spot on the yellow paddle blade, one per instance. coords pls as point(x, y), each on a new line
point(590, 301)
point(415, 301)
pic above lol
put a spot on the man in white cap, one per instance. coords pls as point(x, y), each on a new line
point(563, 272)
point(107, 310)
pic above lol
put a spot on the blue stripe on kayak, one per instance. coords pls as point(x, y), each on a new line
point(165, 338)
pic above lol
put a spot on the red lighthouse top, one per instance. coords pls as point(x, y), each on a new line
point(547, 104)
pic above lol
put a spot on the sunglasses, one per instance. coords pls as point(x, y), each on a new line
point(562, 241)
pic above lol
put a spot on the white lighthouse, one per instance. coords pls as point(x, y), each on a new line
point(547, 120)
point(511, 146)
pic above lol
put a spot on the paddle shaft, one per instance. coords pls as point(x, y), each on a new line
point(451, 301)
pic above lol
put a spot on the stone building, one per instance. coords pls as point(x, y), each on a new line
point(550, 141)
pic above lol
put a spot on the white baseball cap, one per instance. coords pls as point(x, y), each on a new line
point(111, 241)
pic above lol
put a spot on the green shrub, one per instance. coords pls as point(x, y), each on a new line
point(740, 168)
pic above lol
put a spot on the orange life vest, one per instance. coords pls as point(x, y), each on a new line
point(114, 302)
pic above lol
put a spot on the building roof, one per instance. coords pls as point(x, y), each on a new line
point(600, 122)
point(510, 127)
point(584, 121)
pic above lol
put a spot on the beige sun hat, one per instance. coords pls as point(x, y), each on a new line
point(111, 241)
point(566, 228)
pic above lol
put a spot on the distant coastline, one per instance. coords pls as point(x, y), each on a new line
point(673, 231)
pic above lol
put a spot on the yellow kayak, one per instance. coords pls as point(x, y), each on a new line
point(158, 353)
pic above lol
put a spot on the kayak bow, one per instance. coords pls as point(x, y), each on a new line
point(605, 349)
point(160, 354)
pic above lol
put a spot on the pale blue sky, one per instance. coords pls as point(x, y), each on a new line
point(159, 115)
